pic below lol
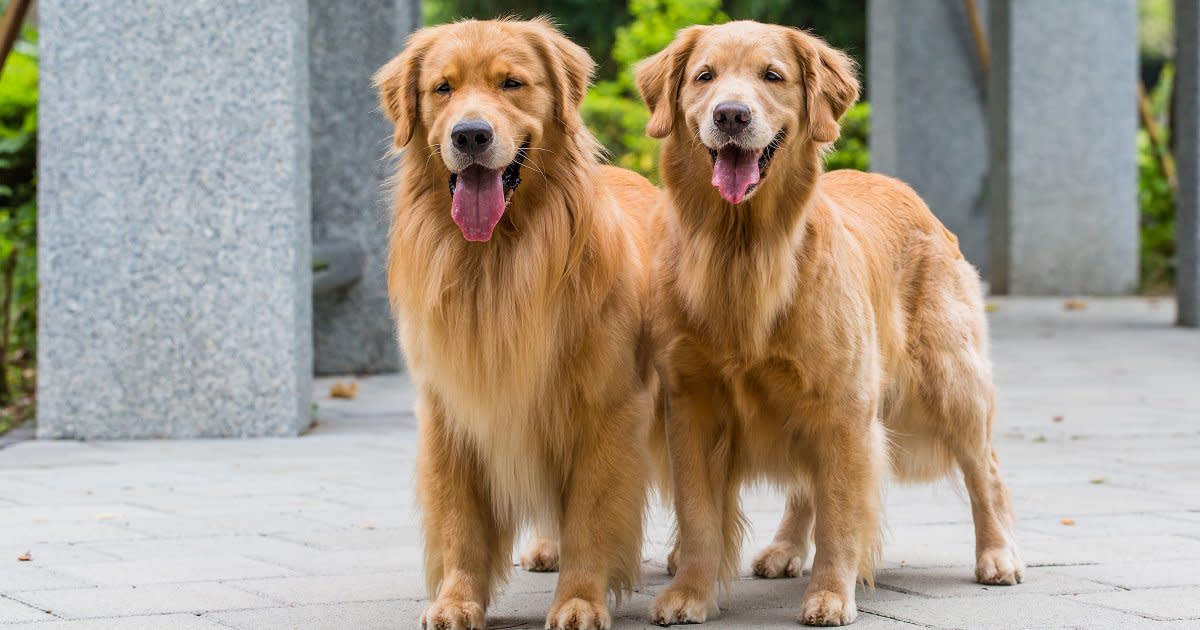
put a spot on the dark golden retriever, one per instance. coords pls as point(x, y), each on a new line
point(519, 270)
point(810, 327)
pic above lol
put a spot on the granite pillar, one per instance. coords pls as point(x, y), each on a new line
point(175, 227)
point(1187, 157)
point(353, 329)
point(1062, 117)
point(928, 123)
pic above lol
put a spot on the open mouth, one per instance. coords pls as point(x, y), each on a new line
point(479, 196)
point(737, 172)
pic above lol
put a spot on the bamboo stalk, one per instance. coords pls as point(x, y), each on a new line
point(1166, 162)
point(14, 17)
point(981, 43)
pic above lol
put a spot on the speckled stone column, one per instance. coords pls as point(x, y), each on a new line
point(1062, 115)
point(175, 225)
point(349, 41)
point(1187, 155)
point(928, 125)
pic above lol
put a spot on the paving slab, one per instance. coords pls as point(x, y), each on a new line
point(1156, 603)
point(147, 599)
point(148, 622)
point(15, 611)
point(322, 532)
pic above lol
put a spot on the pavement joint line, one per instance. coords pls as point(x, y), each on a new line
point(28, 605)
point(867, 610)
point(1126, 611)
point(1049, 565)
point(903, 591)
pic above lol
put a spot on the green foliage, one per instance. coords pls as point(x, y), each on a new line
point(1156, 199)
point(1156, 28)
point(842, 23)
point(589, 23)
point(613, 109)
point(18, 233)
point(850, 150)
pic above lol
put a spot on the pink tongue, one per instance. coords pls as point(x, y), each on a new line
point(478, 202)
point(734, 172)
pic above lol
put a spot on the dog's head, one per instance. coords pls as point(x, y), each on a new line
point(481, 94)
point(745, 91)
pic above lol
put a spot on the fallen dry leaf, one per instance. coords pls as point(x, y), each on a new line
point(368, 527)
point(343, 390)
point(1075, 305)
point(1098, 480)
point(1058, 418)
point(991, 307)
point(25, 557)
point(1068, 521)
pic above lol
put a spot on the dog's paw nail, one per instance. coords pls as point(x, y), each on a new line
point(778, 560)
point(999, 566)
point(578, 614)
point(826, 608)
point(679, 605)
point(453, 615)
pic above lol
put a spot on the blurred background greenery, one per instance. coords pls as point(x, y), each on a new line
point(618, 34)
point(18, 230)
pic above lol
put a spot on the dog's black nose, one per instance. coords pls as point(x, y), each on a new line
point(731, 117)
point(471, 136)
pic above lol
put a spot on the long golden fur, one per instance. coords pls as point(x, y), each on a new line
point(529, 351)
point(801, 323)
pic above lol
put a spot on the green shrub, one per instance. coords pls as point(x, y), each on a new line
point(613, 109)
point(851, 150)
point(1156, 199)
point(18, 234)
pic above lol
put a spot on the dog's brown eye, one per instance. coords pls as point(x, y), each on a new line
point(705, 76)
point(772, 76)
point(442, 88)
point(511, 84)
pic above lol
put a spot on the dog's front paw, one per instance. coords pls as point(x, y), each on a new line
point(780, 559)
point(540, 555)
point(453, 615)
point(1000, 565)
point(680, 605)
point(578, 614)
point(826, 608)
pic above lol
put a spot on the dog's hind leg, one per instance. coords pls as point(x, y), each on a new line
point(785, 557)
point(997, 560)
point(541, 552)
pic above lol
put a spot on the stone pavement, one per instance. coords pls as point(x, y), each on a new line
point(1099, 423)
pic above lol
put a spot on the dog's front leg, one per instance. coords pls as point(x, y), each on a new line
point(706, 505)
point(603, 507)
point(466, 548)
point(850, 464)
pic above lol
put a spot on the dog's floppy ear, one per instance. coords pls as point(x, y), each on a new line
point(570, 69)
point(830, 85)
point(398, 82)
point(659, 79)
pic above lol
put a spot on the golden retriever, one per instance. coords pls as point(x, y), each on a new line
point(797, 315)
point(518, 270)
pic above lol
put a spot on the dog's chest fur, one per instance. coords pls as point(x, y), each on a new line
point(735, 294)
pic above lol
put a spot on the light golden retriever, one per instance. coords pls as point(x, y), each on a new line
point(804, 323)
point(519, 270)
